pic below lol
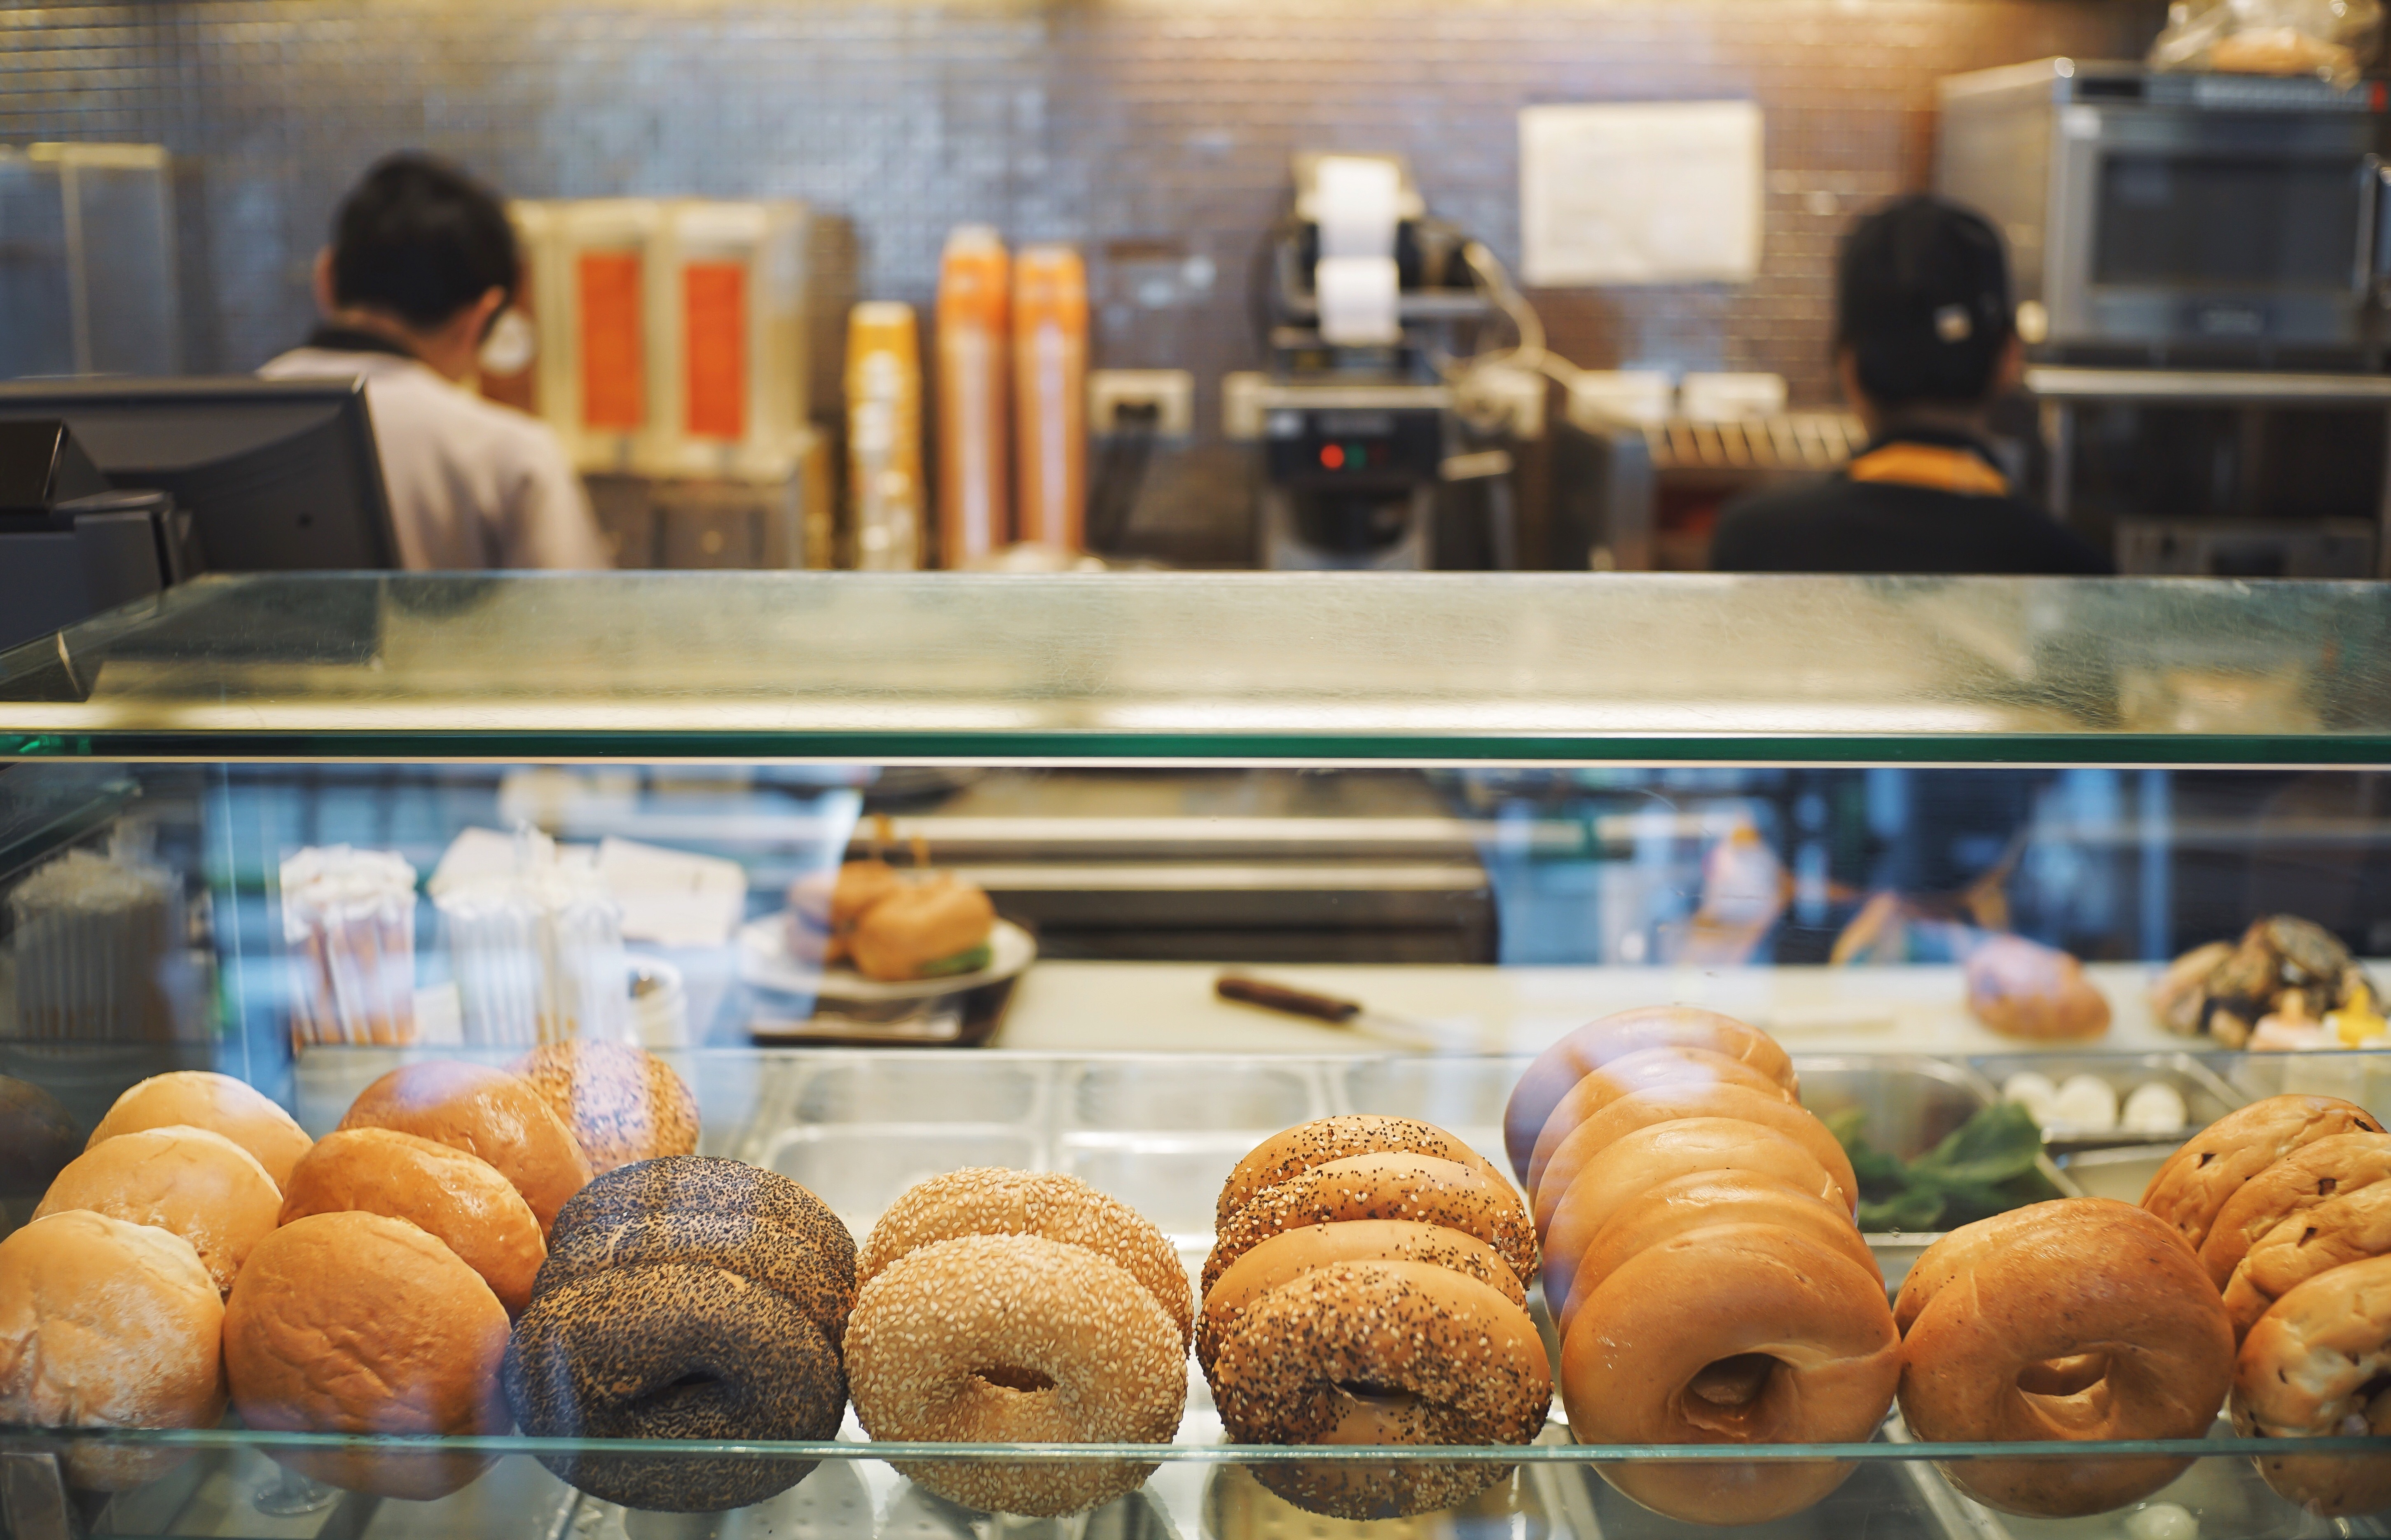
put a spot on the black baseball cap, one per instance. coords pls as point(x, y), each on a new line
point(1922, 299)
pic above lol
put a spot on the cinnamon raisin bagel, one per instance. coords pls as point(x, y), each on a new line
point(1668, 1105)
point(2316, 1173)
point(1015, 1338)
point(1285, 1155)
point(2200, 1178)
point(1291, 1253)
point(1665, 1069)
point(1637, 1162)
point(1416, 1187)
point(2341, 1230)
point(1740, 1334)
point(1687, 1205)
point(991, 1200)
point(2314, 1367)
point(2077, 1319)
point(1613, 1037)
point(1381, 1353)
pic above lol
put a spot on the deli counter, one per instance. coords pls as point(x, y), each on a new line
point(743, 1054)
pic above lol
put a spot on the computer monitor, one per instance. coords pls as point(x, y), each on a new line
point(277, 475)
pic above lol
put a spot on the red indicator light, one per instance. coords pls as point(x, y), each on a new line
point(2376, 96)
point(1333, 456)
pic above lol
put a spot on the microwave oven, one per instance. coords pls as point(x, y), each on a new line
point(2178, 219)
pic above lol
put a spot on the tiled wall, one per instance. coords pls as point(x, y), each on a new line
point(1154, 131)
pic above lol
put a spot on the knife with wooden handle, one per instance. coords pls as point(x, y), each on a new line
point(1328, 1010)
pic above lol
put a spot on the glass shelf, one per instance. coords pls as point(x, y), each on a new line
point(1144, 669)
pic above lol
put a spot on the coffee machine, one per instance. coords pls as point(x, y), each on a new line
point(1364, 299)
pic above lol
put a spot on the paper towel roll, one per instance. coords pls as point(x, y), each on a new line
point(1357, 301)
point(1355, 201)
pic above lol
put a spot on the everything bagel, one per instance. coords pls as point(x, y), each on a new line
point(1285, 1156)
point(1415, 1187)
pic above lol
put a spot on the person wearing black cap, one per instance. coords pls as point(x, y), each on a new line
point(1924, 346)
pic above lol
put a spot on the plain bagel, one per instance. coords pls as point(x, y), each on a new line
point(1597, 1043)
point(1666, 1070)
point(1648, 1109)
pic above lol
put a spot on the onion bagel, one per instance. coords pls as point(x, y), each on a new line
point(1285, 1156)
point(1745, 1333)
point(1022, 1339)
point(1670, 1104)
point(2341, 1230)
point(2200, 1178)
point(2314, 1368)
point(1690, 1205)
point(2331, 1167)
point(1639, 1161)
point(1416, 1187)
point(1597, 1043)
point(1382, 1352)
point(1682, 1071)
point(2078, 1319)
point(991, 1200)
point(1291, 1253)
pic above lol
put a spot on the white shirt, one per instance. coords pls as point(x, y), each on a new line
point(472, 483)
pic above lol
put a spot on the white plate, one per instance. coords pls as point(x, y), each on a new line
point(765, 962)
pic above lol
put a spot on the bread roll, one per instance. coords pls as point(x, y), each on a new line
point(108, 1324)
point(200, 1098)
point(622, 1103)
point(458, 1198)
point(200, 1186)
point(485, 1112)
point(919, 924)
point(2022, 989)
point(357, 1323)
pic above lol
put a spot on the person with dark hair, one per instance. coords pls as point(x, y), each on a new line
point(1924, 346)
point(422, 264)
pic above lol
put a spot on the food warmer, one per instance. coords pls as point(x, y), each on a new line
point(1480, 811)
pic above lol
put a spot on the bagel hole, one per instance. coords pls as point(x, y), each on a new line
point(1384, 1397)
point(1010, 1378)
point(673, 1389)
point(2064, 1377)
point(1731, 1396)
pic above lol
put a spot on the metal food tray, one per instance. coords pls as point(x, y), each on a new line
point(1161, 1134)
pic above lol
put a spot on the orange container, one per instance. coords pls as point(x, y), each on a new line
point(1050, 406)
point(974, 490)
point(883, 435)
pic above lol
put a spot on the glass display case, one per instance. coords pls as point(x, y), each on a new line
point(1119, 878)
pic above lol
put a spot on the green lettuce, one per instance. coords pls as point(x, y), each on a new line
point(1986, 1167)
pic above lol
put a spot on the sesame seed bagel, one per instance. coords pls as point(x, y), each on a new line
point(2315, 1173)
point(1015, 1338)
point(2078, 1319)
point(672, 1352)
point(2192, 1188)
point(991, 1201)
point(1416, 1187)
point(1680, 1071)
point(1285, 1156)
point(2341, 1230)
point(1635, 1163)
point(755, 1249)
point(1675, 1104)
point(2310, 1369)
point(704, 1185)
point(1613, 1037)
point(1747, 1334)
point(1291, 1253)
point(1688, 1205)
point(1382, 1352)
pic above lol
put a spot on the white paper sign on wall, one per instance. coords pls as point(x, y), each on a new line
point(1640, 192)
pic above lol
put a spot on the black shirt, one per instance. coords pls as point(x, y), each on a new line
point(1838, 524)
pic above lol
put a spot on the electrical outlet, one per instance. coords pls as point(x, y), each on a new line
point(1172, 391)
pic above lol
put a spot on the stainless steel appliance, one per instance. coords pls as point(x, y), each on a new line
point(2178, 218)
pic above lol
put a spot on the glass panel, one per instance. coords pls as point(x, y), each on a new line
point(2182, 219)
point(1225, 667)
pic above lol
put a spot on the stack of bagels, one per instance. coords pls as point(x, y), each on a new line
point(1001, 1306)
point(2287, 1202)
point(686, 1298)
point(1367, 1287)
point(1701, 1258)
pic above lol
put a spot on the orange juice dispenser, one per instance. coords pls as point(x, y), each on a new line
point(1050, 406)
point(510, 354)
point(730, 397)
point(975, 489)
point(599, 349)
point(884, 436)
